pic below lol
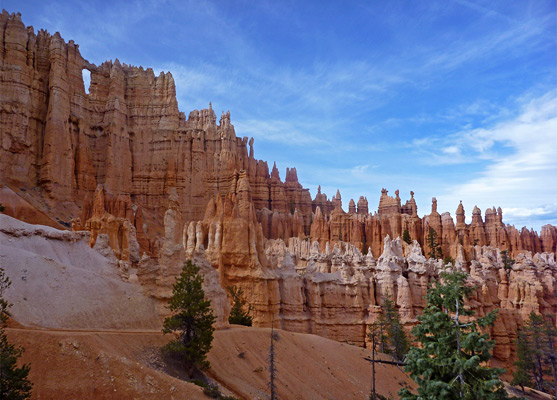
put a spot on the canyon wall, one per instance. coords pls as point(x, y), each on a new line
point(122, 162)
point(126, 135)
point(60, 145)
point(337, 291)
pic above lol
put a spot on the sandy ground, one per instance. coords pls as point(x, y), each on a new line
point(308, 366)
point(97, 365)
point(122, 365)
point(58, 281)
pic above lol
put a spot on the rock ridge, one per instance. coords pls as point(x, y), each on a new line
point(153, 188)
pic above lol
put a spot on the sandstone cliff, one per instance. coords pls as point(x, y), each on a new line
point(126, 134)
point(122, 162)
point(366, 230)
point(337, 291)
point(127, 138)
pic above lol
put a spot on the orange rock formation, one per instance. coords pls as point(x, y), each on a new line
point(122, 162)
point(127, 134)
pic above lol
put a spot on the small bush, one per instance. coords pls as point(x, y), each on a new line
point(449, 260)
point(199, 383)
point(212, 391)
point(238, 314)
point(406, 236)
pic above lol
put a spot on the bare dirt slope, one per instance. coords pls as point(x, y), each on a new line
point(119, 365)
point(308, 366)
point(97, 365)
point(58, 281)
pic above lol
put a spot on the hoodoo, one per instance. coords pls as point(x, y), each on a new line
point(122, 162)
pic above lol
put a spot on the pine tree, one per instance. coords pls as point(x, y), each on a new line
point(508, 262)
point(551, 354)
point(450, 361)
point(238, 314)
point(524, 363)
point(536, 358)
point(406, 236)
point(434, 248)
point(193, 320)
point(534, 328)
point(14, 381)
point(393, 339)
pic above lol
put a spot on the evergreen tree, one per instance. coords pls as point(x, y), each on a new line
point(508, 262)
point(393, 339)
point(551, 353)
point(14, 381)
point(448, 260)
point(193, 320)
point(522, 376)
point(534, 328)
point(450, 361)
point(406, 236)
point(536, 354)
point(434, 248)
point(238, 314)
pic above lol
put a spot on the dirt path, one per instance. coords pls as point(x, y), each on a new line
point(87, 331)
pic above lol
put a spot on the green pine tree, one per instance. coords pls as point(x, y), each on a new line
point(522, 376)
point(393, 339)
point(450, 361)
point(406, 236)
point(239, 314)
point(193, 319)
point(550, 332)
point(539, 338)
point(434, 248)
point(14, 381)
point(536, 354)
point(508, 262)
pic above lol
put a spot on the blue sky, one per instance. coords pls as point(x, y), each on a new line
point(453, 99)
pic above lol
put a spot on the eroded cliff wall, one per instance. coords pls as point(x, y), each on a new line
point(126, 135)
point(122, 162)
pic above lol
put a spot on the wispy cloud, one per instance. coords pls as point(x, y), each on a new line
point(513, 180)
point(278, 131)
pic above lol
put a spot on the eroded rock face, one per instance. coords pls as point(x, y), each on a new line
point(155, 188)
point(126, 134)
point(159, 276)
point(336, 291)
point(392, 219)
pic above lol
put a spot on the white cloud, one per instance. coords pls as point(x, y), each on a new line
point(451, 150)
point(543, 211)
point(523, 180)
